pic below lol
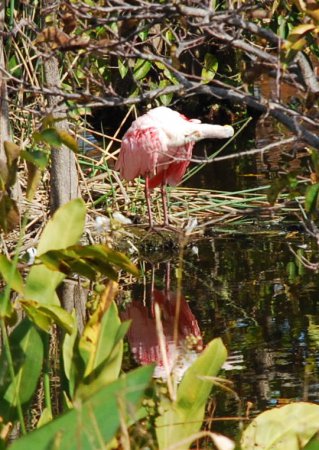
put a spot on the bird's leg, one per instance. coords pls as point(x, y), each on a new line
point(148, 203)
point(164, 200)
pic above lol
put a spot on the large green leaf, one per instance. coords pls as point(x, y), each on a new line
point(94, 422)
point(101, 345)
point(65, 227)
point(184, 417)
point(27, 347)
point(63, 230)
point(88, 261)
point(289, 427)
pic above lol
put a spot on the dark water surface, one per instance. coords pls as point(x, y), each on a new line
point(251, 291)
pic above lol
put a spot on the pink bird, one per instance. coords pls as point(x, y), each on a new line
point(158, 146)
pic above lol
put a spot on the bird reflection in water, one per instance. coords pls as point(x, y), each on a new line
point(183, 340)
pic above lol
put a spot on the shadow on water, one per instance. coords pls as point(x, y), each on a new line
point(247, 288)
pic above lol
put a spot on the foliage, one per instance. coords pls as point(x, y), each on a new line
point(94, 421)
point(183, 417)
point(291, 426)
point(91, 361)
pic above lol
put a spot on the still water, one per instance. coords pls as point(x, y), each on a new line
point(251, 291)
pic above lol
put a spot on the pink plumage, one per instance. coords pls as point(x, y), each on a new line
point(158, 146)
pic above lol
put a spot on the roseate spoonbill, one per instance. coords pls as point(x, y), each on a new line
point(158, 146)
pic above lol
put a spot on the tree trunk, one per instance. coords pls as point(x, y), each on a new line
point(64, 176)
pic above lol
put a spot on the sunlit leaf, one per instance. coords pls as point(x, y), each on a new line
point(141, 69)
point(301, 5)
point(289, 427)
point(210, 68)
point(165, 98)
point(46, 417)
point(40, 319)
point(94, 422)
point(101, 345)
point(311, 197)
point(68, 140)
point(184, 417)
point(88, 261)
point(51, 137)
point(51, 313)
point(314, 14)
point(123, 68)
point(27, 347)
point(297, 37)
point(34, 178)
point(69, 355)
point(11, 274)
point(63, 229)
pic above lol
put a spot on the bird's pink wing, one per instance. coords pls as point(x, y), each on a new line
point(139, 153)
point(173, 169)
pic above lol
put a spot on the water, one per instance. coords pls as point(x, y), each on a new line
point(251, 291)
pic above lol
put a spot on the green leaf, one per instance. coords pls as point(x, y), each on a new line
point(63, 229)
point(313, 444)
point(210, 68)
point(50, 136)
point(165, 98)
point(123, 68)
point(68, 351)
point(27, 347)
point(184, 417)
point(37, 157)
point(98, 338)
point(59, 316)
point(141, 69)
point(311, 198)
point(46, 417)
point(68, 140)
point(45, 315)
point(41, 320)
point(94, 422)
point(34, 178)
point(88, 261)
point(289, 427)
point(107, 371)
point(11, 275)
